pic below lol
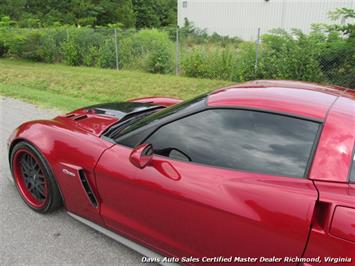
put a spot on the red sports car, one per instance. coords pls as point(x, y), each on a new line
point(258, 172)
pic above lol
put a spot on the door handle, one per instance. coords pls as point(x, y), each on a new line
point(166, 169)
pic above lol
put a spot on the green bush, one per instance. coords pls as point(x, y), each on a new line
point(107, 54)
point(290, 56)
point(337, 59)
point(3, 42)
point(244, 69)
point(32, 44)
point(72, 53)
point(23, 44)
point(83, 45)
point(51, 43)
point(213, 63)
point(194, 63)
point(148, 50)
point(160, 61)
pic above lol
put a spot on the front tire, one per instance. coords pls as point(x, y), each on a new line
point(34, 179)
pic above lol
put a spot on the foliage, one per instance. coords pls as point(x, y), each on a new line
point(213, 64)
point(160, 60)
point(107, 54)
point(149, 50)
point(327, 54)
point(81, 46)
point(155, 13)
point(23, 44)
point(290, 56)
point(190, 35)
point(6, 22)
point(342, 14)
point(45, 13)
point(338, 50)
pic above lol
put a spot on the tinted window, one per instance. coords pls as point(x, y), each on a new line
point(352, 170)
point(159, 115)
point(240, 139)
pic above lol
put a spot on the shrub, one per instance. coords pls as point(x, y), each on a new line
point(160, 61)
point(24, 44)
point(213, 63)
point(149, 50)
point(286, 56)
point(3, 42)
point(107, 54)
point(194, 63)
point(244, 68)
point(51, 43)
point(32, 44)
point(71, 53)
point(337, 59)
point(82, 46)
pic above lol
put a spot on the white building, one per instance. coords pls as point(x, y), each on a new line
point(243, 17)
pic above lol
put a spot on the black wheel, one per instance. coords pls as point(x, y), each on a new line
point(34, 179)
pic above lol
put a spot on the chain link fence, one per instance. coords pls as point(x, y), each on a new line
point(316, 57)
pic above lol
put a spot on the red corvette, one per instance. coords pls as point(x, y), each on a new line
point(258, 172)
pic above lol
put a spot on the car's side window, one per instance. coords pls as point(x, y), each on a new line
point(352, 169)
point(240, 139)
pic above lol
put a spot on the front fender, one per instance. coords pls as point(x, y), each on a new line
point(61, 146)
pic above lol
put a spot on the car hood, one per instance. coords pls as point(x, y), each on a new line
point(96, 119)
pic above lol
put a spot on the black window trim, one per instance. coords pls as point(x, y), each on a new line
point(164, 121)
point(352, 162)
point(311, 155)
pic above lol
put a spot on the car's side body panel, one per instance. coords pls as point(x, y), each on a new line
point(324, 240)
point(189, 209)
point(343, 223)
point(334, 153)
point(67, 149)
point(90, 123)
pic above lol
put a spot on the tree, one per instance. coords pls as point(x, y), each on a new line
point(146, 16)
point(342, 14)
point(31, 13)
point(12, 8)
point(116, 11)
point(155, 13)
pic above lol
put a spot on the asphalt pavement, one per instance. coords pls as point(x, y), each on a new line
point(29, 238)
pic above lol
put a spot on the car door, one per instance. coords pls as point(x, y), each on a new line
point(222, 182)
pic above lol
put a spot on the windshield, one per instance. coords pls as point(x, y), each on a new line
point(150, 117)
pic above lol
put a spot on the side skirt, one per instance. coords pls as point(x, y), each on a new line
point(125, 241)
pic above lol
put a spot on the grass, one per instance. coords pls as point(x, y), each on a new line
point(66, 88)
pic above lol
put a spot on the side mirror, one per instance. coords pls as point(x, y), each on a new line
point(141, 155)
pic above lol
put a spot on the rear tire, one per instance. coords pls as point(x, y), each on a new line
point(34, 179)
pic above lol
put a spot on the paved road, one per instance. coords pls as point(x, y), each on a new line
point(28, 238)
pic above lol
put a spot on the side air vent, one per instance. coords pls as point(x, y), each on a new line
point(80, 117)
point(70, 115)
point(87, 188)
